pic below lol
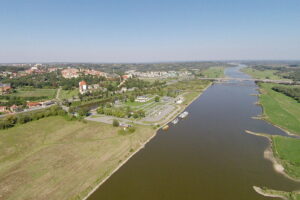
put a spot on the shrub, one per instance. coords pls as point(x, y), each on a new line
point(83, 111)
point(157, 99)
point(115, 123)
point(131, 129)
point(100, 110)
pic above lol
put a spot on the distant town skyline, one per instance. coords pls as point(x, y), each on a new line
point(148, 31)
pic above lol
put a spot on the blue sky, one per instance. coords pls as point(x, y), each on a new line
point(148, 30)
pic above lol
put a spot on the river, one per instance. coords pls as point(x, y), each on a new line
point(206, 156)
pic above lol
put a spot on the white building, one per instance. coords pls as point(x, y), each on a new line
point(83, 87)
point(142, 99)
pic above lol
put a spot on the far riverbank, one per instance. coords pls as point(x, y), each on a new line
point(282, 112)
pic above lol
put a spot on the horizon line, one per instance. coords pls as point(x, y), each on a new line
point(154, 62)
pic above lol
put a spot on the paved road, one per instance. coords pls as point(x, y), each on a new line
point(109, 119)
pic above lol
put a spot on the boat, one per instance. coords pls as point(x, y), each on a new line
point(183, 115)
point(175, 121)
point(166, 127)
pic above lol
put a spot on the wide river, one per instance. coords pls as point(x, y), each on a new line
point(206, 156)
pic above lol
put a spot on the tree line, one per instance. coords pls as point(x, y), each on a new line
point(14, 119)
point(121, 112)
point(293, 92)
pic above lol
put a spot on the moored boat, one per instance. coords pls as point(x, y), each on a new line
point(166, 127)
point(183, 115)
point(175, 121)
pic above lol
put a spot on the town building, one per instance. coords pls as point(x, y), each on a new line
point(93, 72)
point(33, 104)
point(46, 103)
point(83, 87)
point(126, 76)
point(74, 72)
point(4, 109)
point(70, 73)
point(123, 89)
point(5, 88)
point(142, 99)
point(14, 108)
point(179, 100)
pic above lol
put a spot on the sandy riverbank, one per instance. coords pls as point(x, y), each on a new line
point(269, 155)
point(264, 117)
point(261, 192)
point(144, 143)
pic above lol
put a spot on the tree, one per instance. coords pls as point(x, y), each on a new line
point(83, 112)
point(156, 99)
point(131, 129)
point(135, 115)
point(115, 123)
point(131, 98)
point(71, 109)
point(100, 110)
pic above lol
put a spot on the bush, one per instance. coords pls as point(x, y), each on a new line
point(131, 129)
point(157, 99)
point(100, 110)
point(83, 111)
point(131, 98)
point(115, 123)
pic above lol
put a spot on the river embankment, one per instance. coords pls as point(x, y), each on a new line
point(282, 112)
point(162, 124)
point(205, 152)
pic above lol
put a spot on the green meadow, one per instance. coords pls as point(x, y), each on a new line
point(280, 109)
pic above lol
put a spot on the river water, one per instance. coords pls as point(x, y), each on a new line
point(206, 156)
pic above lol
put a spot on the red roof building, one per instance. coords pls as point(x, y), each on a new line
point(33, 104)
point(82, 87)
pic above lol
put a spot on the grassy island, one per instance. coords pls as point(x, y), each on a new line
point(283, 111)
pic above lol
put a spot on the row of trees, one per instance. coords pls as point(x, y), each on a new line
point(141, 84)
point(12, 120)
point(9, 100)
point(294, 75)
point(121, 112)
point(293, 92)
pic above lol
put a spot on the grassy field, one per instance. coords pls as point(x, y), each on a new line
point(283, 111)
point(280, 109)
point(34, 92)
point(57, 159)
point(286, 195)
point(68, 94)
point(287, 150)
point(214, 72)
point(266, 74)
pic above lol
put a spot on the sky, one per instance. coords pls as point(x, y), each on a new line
point(148, 30)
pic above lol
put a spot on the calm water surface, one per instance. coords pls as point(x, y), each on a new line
point(205, 156)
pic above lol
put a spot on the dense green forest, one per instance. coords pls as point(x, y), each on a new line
point(291, 91)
